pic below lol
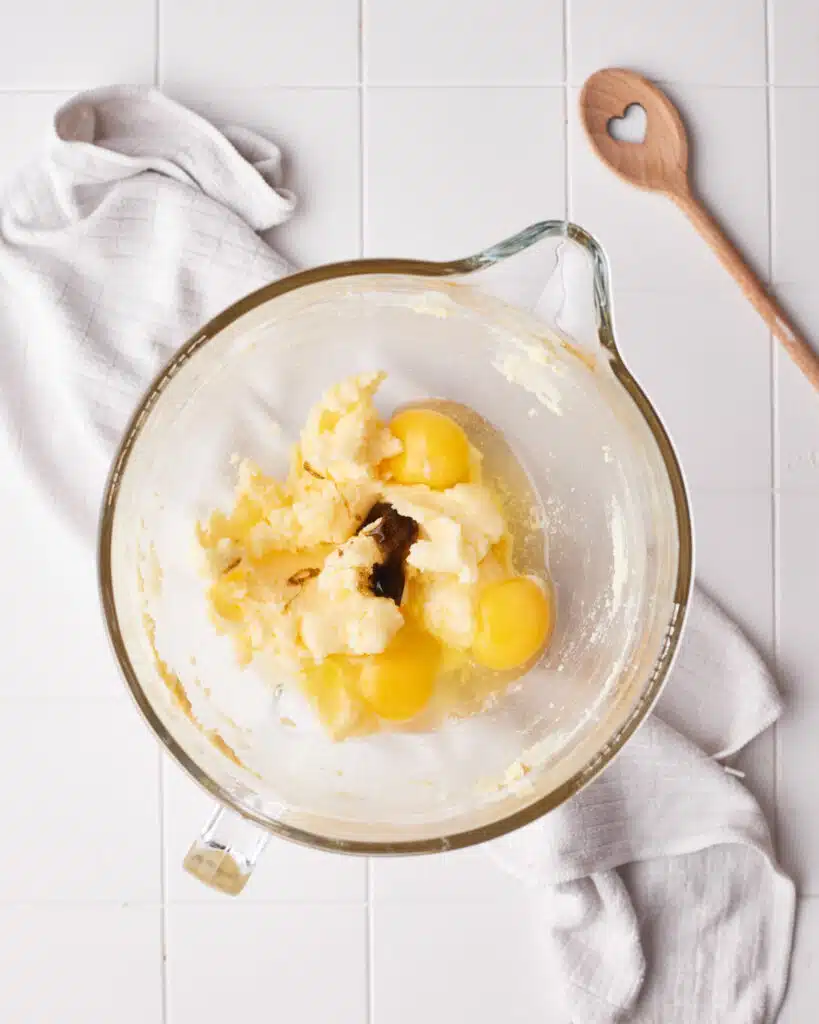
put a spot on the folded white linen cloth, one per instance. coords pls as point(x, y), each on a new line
point(138, 223)
point(662, 902)
point(661, 898)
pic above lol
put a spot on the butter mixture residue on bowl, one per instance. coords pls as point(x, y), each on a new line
point(379, 576)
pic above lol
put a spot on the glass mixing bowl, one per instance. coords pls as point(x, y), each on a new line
point(617, 524)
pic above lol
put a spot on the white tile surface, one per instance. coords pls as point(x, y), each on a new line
point(78, 45)
point(314, 42)
point(799, 668)
point(426, 196)
point(80, 964)
point(697, 42)
point(683, 350)
point(797, 405)
point(241, 961)
point(25, 119)
point(81, 810)
point(795, 173)
point(803, 990)
point(462, 42)
point(318, 132)
point(795, 38)
point(461, 876)
point(648, 240)
point(733, 532)
point(470, 962)
point(734, 551)
point(286, 873)
point(69, 654)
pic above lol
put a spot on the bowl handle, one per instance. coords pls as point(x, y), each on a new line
point(225, 854)
point(555, 269)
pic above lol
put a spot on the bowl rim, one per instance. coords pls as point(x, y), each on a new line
point(418, 268)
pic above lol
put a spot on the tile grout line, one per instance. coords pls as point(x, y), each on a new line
point(369, 923)
point(774, 394)
point(157, 22)
point(163, 880)
point(370, 935)
point(163, 893)
point(363, 139)
point(362, 132)
point(114, 903)
point(567, 184)
point(499, 86)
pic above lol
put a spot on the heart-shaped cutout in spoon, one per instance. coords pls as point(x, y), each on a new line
point(660, 163)
point(631, 127)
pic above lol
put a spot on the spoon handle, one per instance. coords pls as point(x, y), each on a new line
point(795, 345)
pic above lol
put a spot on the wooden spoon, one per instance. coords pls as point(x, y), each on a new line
point(660, 163)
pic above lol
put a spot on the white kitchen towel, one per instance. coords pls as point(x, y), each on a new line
point(138, 223)
point(661, 899)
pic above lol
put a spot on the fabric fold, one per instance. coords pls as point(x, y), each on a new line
point(138, 223)
point(661, 896)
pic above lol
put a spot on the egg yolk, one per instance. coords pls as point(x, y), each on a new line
point(398, 683)
point(332, 689)
point(435, 453)
point(515, 618)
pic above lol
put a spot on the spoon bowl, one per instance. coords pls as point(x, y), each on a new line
point(658, 163)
